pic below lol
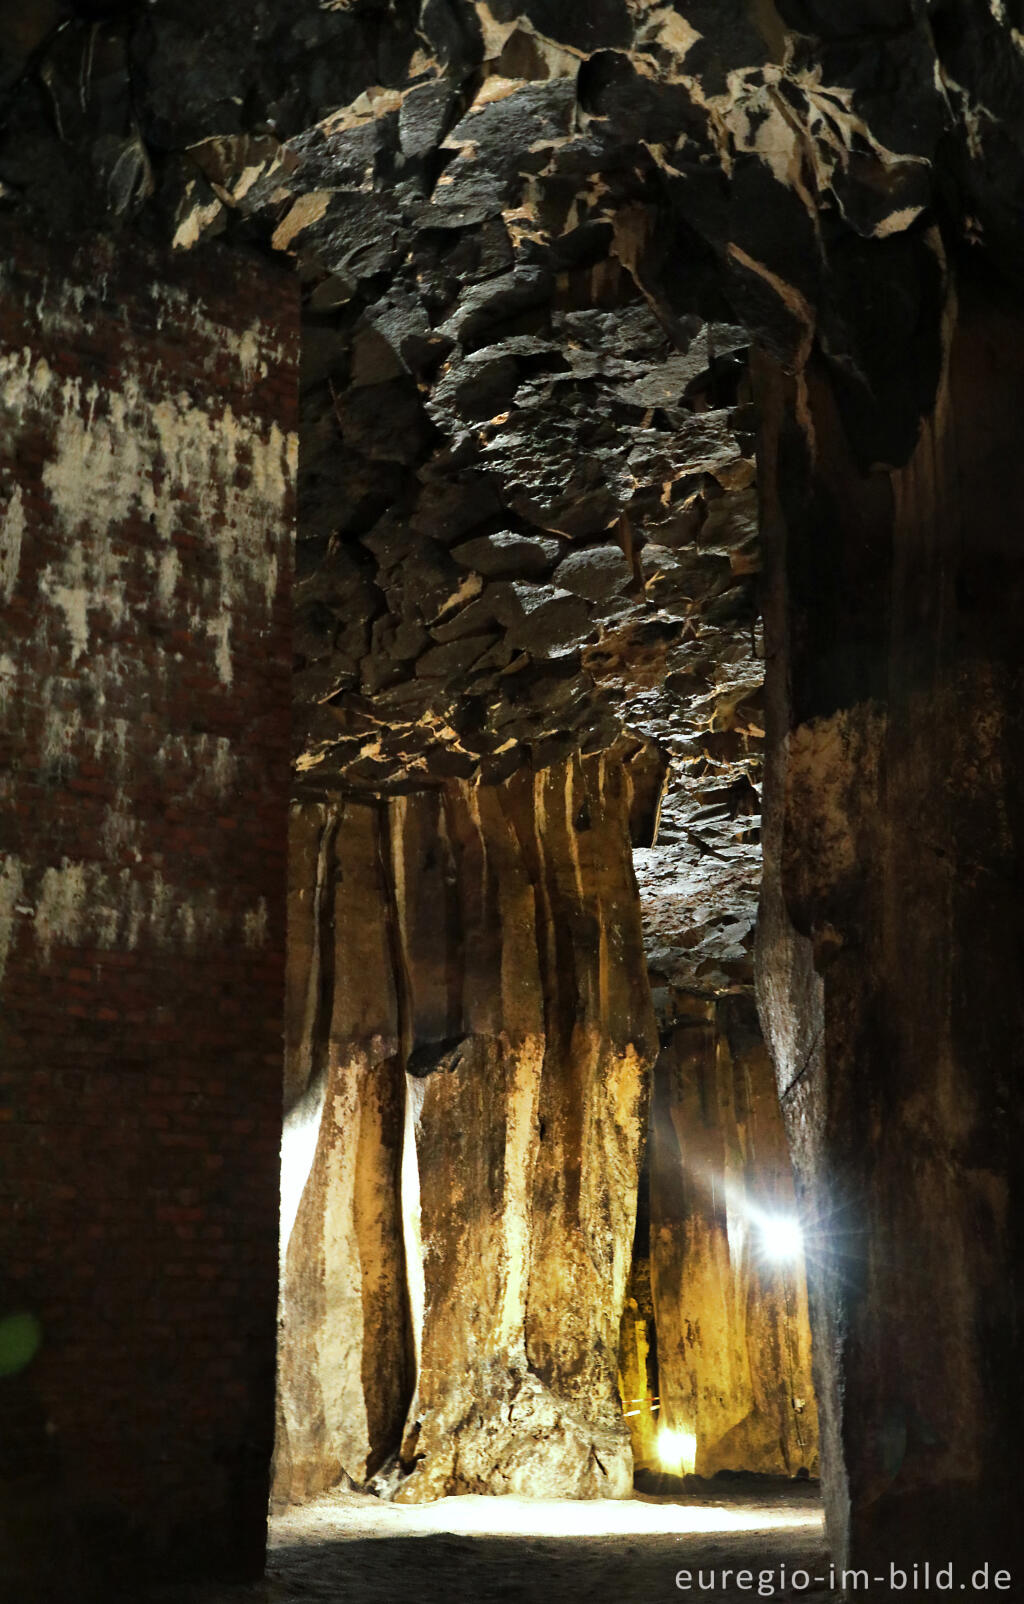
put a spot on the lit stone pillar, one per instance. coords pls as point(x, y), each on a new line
point(470, 1039)
point(532, 1024)
point(733, 1337)
point(476, 1038)
point(344, 1358)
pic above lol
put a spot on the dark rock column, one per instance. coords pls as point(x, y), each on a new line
point(890, 935)
point(147, 458)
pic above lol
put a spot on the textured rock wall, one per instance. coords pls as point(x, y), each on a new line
point(889, 936)
point(733, 1338)
point(504, 937)
point(147, 457)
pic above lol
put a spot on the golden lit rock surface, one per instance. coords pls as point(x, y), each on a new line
point(489, 938)
point(733, 1337)
point(344, 1357)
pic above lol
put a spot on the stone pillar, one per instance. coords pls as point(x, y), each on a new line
point(147, 455)
point(528, 1135)
point(345, 1363)
point(478, 953)
point(477, 1048)
point(734, 1362)
point(889, 936)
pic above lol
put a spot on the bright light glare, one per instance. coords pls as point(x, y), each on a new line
point(352, 1515)
point(677, 1450)
point(298, 1149)
point(781, 1238)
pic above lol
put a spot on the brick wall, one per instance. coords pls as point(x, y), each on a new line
point(147, 418)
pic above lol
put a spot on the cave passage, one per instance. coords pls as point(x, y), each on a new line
point(558, 1256)
point(471, 1300)
point(510, 562)
point(524, 873)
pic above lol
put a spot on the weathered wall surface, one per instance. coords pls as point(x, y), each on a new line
point(147, 456)
point(733, 1336)
point(517, 996)
point(889, 936)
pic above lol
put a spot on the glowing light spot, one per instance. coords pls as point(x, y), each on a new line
point(299, 1140)
point(781, 1238)
point(677, 1450)
point(340, 1514)
point(20, 1337)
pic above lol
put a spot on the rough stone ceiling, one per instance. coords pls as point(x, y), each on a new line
point(533, 238)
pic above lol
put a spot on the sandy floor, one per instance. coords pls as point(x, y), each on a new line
point(351, 1549)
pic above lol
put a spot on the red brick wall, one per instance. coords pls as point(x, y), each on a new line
point(147, 417)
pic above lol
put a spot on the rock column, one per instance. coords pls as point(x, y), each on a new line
point(733, 1338)
point(468, 962)
point(889, 935)
point(344, 1349)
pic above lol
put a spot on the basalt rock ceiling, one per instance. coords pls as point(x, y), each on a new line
point(536, 241)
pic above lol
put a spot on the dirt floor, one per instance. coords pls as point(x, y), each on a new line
point(352, 1549)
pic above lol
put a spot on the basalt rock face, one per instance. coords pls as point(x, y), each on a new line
point(501, 926)
point(733, 1337)
point(463, 633)
point(888, 937)
point(532, 237)
point(797, 143)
